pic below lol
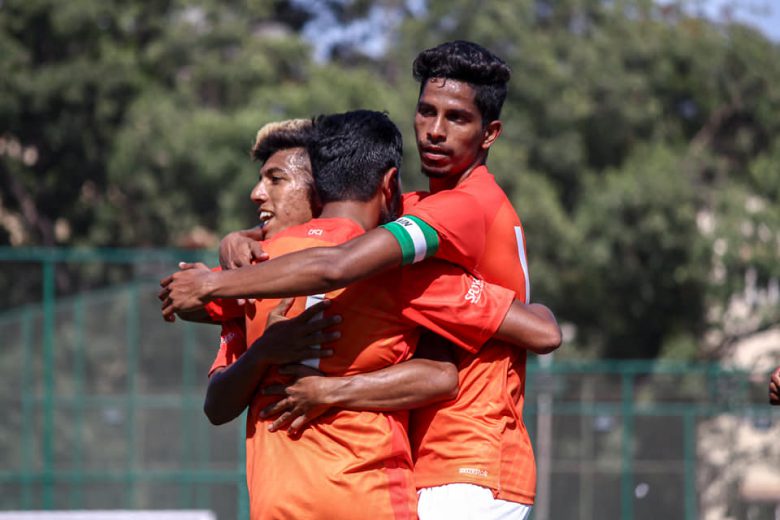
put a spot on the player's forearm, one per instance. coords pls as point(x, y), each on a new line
point(531, 326)
point(408, 385)
point(197, 316)
point(312, 271)
point(306, 272)
point(231, 389)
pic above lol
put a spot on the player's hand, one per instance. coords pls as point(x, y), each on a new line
point(186, 290)
point(241, 248)
point(290, 340)
point(194, 316)
point(303, 400)
point(774, 388)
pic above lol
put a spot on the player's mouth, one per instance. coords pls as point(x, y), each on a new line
point(264, 216)
point(433, 153)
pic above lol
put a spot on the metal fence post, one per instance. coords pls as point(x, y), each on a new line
point(133, 325)
point(627, 467)
point(689, 445)
point(48, 381)
point(28, 430)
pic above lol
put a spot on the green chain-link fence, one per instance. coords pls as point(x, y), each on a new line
point(102, 408)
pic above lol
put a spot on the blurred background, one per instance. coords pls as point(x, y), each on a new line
point(641, 150)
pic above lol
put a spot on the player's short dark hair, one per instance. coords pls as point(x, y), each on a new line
point(471, 63)
point(281, 135)
point(351, 152)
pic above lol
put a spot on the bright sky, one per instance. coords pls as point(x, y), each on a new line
point(762, 14)
point(372, 33)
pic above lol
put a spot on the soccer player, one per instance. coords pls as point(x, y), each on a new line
point(357, 464)
point(285, 196)
point(473, 456)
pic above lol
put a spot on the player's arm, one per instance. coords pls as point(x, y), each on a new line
point(431, 376)
point(231, 388)
point(531, 326)
point(311, 271)
point(774, 388)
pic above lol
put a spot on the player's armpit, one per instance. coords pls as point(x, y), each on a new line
point(531, 326)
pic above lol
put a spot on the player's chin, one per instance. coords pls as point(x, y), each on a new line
point(435, 173)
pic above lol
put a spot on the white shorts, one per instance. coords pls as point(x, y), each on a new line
point(466, 502)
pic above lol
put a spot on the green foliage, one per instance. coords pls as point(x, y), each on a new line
point(639, 143)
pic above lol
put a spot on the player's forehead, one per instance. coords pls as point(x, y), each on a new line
point(292, 161)
point(446, 93)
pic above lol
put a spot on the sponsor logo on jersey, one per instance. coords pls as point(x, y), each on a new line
point(475, 291)
point(474, 472)
point(227, 338)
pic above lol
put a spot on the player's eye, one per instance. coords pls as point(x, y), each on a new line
point(425, 110)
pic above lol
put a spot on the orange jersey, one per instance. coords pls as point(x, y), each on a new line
point(352, 464)
point(479, 438)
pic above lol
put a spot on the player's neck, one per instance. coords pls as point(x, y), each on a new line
point(364, 214)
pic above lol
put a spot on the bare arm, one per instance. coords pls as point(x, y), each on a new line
point(311, 271)
point(430, 377)
point(230, 389)
point(774, 388)
point(531, 326)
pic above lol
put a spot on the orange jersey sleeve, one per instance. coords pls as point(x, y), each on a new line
point(458, 307)
point(232, 343)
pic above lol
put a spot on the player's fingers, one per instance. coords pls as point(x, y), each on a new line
point(283, 307)
point(163, 294)
point(298, 370)
point(313, 311)
point(240, 260)
point(283, 421)
point(310, 353)
point(275, 408)
point(297, 424)
point(273, 390)
point(165, 282)
point(257, 253)
point(318, 325)
point(319, 338)
point(168, 314)
point(256, 233)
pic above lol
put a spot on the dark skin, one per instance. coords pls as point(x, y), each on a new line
point(774, 388)
point(418, 384)
point(231, 388)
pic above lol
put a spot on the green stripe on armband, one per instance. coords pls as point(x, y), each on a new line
point(417, 239)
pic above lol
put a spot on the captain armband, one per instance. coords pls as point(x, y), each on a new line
point(417, 239)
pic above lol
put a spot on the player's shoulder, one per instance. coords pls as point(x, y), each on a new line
point(316, 232)
point(448, 202)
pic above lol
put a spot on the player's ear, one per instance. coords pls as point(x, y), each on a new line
point(390, 183)
point(490, 133)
